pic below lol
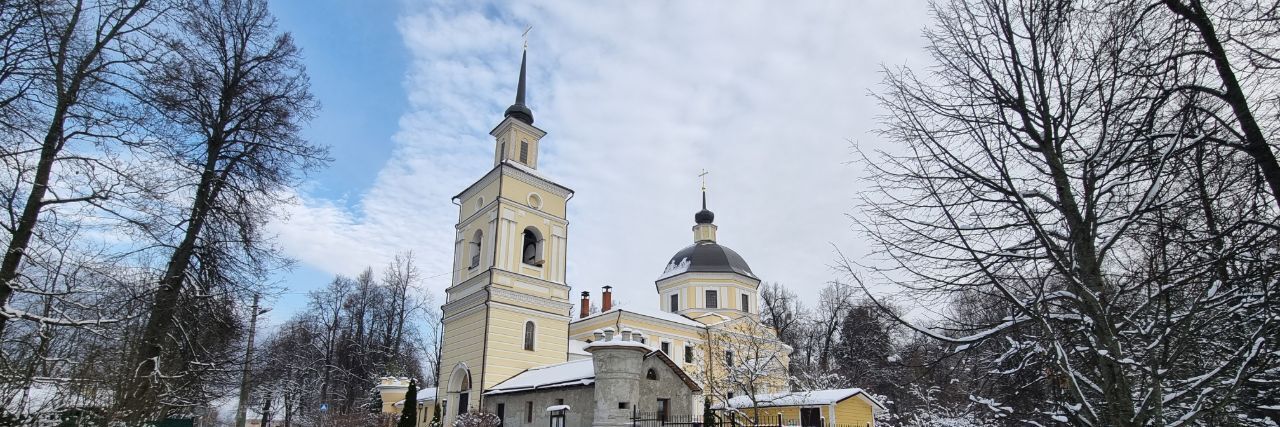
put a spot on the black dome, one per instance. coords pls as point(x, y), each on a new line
point(704, 216)
point(520, 112)
point(707, 257)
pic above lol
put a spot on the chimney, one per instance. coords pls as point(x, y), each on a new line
point(606, 298)
point(608, 334)
point(626, 334)
point(586, 305)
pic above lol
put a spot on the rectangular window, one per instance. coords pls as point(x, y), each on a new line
point(688, 354)
point(713, 298)
point(502, 413)
point(663, 404)
point(666, 348)
point(528, 412)
point(524, 152)
point(675, 303)
point(746, 303)
point(728, 358)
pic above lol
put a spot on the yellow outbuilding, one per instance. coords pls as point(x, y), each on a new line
point(816, 408)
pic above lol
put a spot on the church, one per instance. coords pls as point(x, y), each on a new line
point(513, 347)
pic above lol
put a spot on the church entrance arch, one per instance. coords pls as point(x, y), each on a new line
point(460, 388)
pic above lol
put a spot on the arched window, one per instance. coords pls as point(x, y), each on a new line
point(651, 375)
point(528, 335)
point(475, 248)
point(524, 152)
point(532, 245)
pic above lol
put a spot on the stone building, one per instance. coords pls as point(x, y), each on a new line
point(622, 377)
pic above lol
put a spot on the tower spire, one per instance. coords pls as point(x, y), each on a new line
point(703, 175)
point(518, 110)
point(704, 216)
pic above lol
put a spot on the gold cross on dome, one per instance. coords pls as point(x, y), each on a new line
point(703, 175)
point(525, 35)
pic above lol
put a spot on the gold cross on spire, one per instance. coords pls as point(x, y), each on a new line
point(525, 35)
point(703, 175)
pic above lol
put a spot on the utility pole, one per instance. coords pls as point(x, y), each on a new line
point(248, 360)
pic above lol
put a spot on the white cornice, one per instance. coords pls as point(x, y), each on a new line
point(688, 276)
point(535, 180)
point(480, 183)
point(551, 305)
point(475, 299)
point(543, 282)
point(543, 314)
point(508, 122)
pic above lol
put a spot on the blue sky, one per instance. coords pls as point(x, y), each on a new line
point(637, 97)
point(356, 62)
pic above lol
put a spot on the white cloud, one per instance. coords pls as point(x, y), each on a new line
point(637, 97)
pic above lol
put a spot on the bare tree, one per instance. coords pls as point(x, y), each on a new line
point(782, 311)
point(1232, 35)
point(61, 66)
point(834, 302)
point(1045, 173)
point(401, 278)
point(741, 358)
point(236, 95)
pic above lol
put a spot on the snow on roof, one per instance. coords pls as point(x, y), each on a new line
point(553, 408)
point(674, 269)
point(660, 315)
point(571, 373)
point(798, 398)
point(424, 395)
point(578, 347)
point(620, 343)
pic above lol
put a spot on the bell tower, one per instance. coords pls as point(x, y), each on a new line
point(507, 308)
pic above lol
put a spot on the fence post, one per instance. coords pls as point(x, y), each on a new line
point(634, 416)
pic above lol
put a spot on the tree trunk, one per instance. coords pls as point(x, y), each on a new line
point(165, 305)
point(1255, 143)
point(67, 88)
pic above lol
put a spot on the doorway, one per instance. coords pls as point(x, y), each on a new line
point(810, 417)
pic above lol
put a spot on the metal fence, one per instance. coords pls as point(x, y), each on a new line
point(654, 419)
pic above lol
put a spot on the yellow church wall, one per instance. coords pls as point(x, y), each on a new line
point(507, 356)
point(692, 290)
point(479, 199)
point(512, 137)
point(516, 217)
point(465, 336)
point(464, 270)
point(518, 191)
